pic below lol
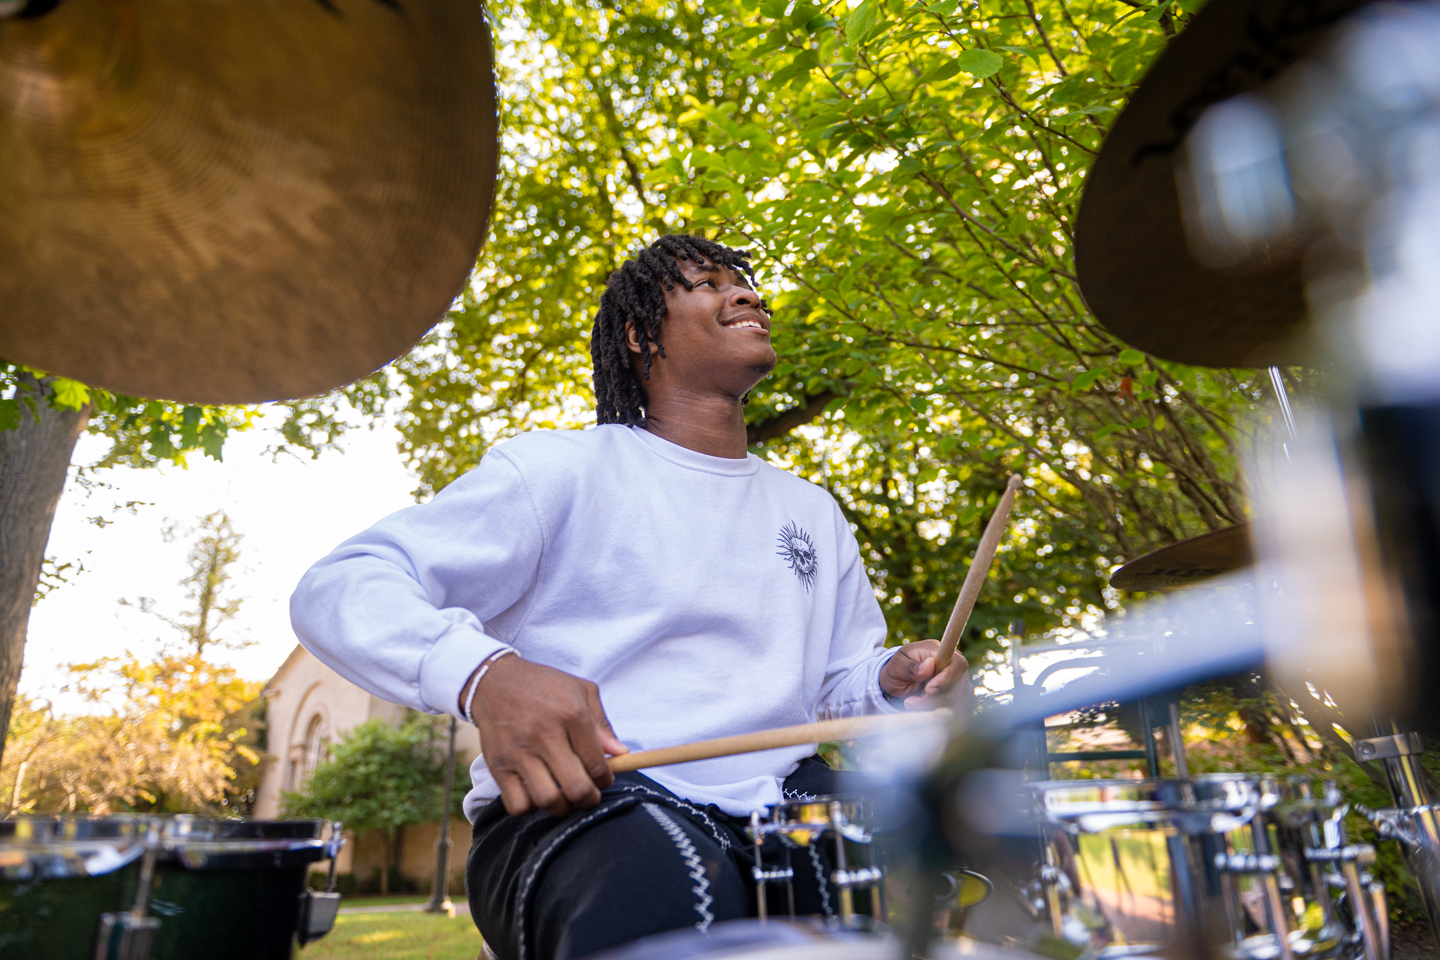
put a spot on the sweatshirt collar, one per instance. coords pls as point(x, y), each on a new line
point(693, 460)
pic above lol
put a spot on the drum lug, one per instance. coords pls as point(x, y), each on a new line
point(1247, 863)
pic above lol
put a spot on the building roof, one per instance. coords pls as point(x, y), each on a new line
point(295, 655)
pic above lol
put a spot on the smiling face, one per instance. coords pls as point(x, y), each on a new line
point(716, 335)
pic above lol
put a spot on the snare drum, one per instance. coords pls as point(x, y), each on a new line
point(1295, 871)
point(1247, 862)
point(1120, 872)
point(828, 830)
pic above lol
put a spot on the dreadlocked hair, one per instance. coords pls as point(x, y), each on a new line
point(635, 294)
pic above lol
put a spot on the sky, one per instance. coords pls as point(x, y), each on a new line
point(291, 511)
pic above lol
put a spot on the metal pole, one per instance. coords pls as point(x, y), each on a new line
point(440, 896)
point(1177, 743)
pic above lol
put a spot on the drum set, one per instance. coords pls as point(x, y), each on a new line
point(1268, 197)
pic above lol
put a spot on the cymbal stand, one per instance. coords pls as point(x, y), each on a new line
point(1413, 822)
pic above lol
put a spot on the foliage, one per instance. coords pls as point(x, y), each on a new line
point(144, 432)
point(379, 776)
point(211, 555)
point(178, 737)
point(911, 171)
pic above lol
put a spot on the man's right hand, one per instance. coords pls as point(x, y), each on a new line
point(545, 737)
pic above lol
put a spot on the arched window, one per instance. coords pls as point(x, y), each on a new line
point(317, 745)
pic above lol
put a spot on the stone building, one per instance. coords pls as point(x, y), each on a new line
point(308, 706)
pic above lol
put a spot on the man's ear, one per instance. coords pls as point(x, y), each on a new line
point(632, 339)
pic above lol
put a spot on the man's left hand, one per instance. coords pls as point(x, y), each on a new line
point(910, 674)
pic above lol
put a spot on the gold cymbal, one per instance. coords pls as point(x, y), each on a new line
point(1136, 270)
point(1189, 561)
point(235, 202)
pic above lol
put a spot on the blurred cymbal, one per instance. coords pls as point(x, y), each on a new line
point(1136, 270)
point(237, 202)
point(1189, 561)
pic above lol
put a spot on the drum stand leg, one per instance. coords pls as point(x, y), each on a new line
point(1414, 823)
point(763, 878)
point(847, 898)
point(130, 935)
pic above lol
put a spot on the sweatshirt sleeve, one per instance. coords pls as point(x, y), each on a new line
point(857, 646)
point(401, 609)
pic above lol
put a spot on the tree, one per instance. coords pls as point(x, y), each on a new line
point(911, 170)
point(211, 555)
point(179, 737)
point(907, 173)
point(180, 734)
point(379, 776)
point(41, 418)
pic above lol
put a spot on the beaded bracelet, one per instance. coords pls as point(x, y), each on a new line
point(474, 686)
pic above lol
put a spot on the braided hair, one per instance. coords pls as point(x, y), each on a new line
point(635, 294)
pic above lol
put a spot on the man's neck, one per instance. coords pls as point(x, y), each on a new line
point(712, 425)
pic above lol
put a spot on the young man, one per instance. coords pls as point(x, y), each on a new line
point(650, 561)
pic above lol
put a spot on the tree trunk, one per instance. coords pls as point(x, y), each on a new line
point(34, 458)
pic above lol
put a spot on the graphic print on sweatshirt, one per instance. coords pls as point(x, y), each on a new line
point(798, 550)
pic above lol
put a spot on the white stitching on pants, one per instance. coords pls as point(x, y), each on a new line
point(715, 831)
point(820, 879)
point(692, 860)
point(540, 859)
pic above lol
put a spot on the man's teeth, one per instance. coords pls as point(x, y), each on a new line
point(748, 323)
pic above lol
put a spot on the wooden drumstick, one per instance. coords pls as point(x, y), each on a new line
point(975, 577)
point(848, 728)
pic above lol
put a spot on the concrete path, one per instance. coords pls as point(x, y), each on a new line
point(461, 908)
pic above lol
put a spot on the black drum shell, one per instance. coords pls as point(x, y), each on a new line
point(223, 889)
point(230, 889)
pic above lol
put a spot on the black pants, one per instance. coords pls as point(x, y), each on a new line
point(644, 861)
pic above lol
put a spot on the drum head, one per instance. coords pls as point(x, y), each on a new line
point(779, 940)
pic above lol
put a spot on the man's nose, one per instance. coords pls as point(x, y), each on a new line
point(743, 297)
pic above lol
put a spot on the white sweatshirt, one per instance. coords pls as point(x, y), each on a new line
point(705, 597)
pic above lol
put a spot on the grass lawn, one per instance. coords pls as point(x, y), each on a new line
point(397, 936)
point(384, 901)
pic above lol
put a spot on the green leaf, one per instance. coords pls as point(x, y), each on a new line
point(980, 63)
point(945, 71)
point(1087, 379)
point(68, 394)
point(1158, 12)
point(1131, 357)
point(862, 18)
point(9, 414)
point(774, 9)
point(1106, 430)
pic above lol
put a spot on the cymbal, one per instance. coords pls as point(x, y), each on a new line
point(1189, 561)
point(1135, 268)
point(238, 202)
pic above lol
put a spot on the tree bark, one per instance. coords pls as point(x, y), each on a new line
point(34, 458)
